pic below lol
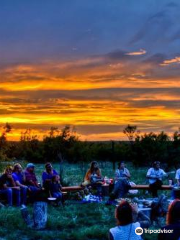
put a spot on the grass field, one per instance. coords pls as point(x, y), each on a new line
point(74, 221)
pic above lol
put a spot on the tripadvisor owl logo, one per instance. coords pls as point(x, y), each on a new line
point(139, 231)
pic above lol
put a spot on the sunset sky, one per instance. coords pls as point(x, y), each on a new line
point(97, 65)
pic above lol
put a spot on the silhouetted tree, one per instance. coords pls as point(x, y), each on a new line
point(130, 131)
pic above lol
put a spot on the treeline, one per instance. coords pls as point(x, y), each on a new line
point(141, 149)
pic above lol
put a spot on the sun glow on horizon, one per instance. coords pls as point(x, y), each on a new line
point(109, 94)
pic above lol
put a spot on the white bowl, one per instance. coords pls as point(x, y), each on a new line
point(52, 198)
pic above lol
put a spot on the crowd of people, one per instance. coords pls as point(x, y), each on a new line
point(122, 183)
point(18, 185)
point(127, 215)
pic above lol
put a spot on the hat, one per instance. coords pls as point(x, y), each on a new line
point(47, 165)
point(30, 165)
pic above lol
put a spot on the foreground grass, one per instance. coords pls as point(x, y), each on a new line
point(90, 221)
point(74, 221)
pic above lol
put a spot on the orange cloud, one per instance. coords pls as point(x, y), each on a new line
point(140, 52)
point(110, 90)
point(91, 113)
point(171, 61)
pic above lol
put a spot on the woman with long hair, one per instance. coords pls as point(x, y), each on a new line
point(93, 177)
point(93, 169)
point(122, 185)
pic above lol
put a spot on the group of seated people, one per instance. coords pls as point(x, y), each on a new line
point(16, 184)
point(122, 182)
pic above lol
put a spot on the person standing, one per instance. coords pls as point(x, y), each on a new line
point(155, 176)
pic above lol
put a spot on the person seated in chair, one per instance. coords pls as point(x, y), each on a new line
point(122, 184)
point(155, 176)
